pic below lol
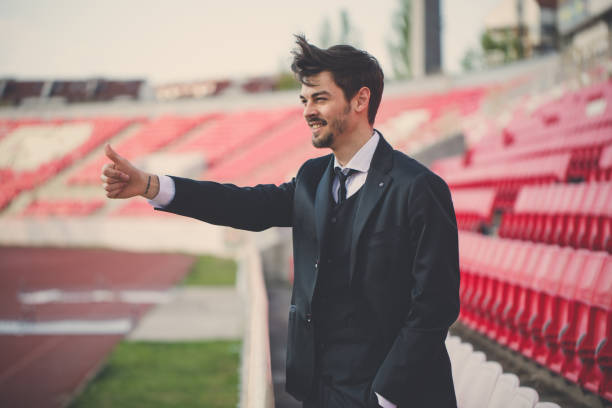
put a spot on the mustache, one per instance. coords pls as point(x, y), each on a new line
point(312, 120)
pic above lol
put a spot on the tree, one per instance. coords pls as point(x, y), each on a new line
point(325, 36)
point(399, 48)
point(348, 34)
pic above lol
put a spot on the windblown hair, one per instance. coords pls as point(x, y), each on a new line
point(351, 69)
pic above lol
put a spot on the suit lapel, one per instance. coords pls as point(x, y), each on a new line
point(323, 204)
point(376, 185)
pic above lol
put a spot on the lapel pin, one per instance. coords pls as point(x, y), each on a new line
point(382, 183)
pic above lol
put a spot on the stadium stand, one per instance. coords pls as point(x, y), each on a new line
point(551, 304)
point(32, 153)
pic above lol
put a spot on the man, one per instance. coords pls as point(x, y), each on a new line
point(375, 245)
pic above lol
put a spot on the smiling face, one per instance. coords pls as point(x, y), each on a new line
point(326, 110)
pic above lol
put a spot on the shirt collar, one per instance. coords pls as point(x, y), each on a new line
point(362, 159)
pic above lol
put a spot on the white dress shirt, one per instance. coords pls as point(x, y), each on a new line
point(360, 162)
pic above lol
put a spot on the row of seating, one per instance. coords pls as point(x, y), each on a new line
point(570, 115)
point(232, 133)
point(473, 207)
point(577, 215)
point(539, 170)
point(586, 144)
point(263, 152)
point(552, 304)
point(483, 384)
point(151, 137)
point(64, 207)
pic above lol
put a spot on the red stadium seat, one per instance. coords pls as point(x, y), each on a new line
point(524, 293)
point(600, 217)
point(562, 342)
point(578, 342)
point(546, 328)
point(530, 318)
point(508, 331)
point(502, 290)
point(584, 216)
point(598, 377)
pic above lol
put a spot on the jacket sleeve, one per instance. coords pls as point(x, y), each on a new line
point(249, 208)
point(417, 362)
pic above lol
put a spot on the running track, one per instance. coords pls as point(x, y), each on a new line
point(45, 370)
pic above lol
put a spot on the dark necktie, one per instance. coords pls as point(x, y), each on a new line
point(342, 179)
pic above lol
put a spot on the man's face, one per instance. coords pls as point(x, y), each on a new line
point(325, 109)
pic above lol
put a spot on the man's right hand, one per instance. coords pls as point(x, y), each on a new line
point(122, 180)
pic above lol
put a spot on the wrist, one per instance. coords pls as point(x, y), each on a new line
point(151, 186)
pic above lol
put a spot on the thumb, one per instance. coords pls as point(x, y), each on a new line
point(111, 154)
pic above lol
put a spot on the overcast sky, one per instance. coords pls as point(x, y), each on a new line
point(189, 39)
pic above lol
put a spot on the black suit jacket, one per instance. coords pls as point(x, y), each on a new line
point(404, 254)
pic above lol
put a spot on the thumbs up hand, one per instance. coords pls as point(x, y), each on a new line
point(122, 180)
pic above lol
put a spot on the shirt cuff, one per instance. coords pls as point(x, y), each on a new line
point(383, 402)
point(165, 194)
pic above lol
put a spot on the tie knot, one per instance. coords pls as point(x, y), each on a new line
point(342, 183)
point(341, 176)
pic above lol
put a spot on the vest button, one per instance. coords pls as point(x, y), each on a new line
point(333, 220)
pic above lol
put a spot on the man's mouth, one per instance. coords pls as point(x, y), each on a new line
point(316, 123)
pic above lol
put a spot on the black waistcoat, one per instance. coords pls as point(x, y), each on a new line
point(344, 324)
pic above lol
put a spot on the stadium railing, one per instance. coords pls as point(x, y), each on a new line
point(256, 373)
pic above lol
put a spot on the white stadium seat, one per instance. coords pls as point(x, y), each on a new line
point(481, 386)
point(467, 373)
point(524, 397)
point(458, 357)
point(505, 388)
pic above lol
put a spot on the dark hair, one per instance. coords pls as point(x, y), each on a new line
point(351, 69)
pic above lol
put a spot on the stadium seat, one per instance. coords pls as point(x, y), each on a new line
point(599, 375)
point(582, 333)
point(509, 333)
point(604, 168)
point(501, 291)
point(478, 391)
point(504, 390)
point(564, 340)
point(547, 405)
point(459, 356)
point(531, 313)
point(473, 207)
point(545, 329)
point(466, 374)
point(524, 397)
point(518, 316)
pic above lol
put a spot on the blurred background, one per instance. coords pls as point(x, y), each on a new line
point(510, 101)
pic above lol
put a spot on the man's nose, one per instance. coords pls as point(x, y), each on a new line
point(309, 110)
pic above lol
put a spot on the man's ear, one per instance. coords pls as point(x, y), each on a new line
point(361, 100)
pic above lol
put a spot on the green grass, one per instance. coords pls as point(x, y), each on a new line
point(146, 374)
point(212, 271)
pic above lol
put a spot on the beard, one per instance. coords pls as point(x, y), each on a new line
point(337, 126)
